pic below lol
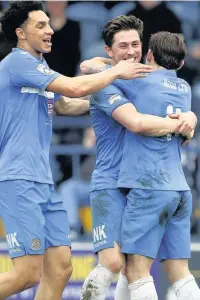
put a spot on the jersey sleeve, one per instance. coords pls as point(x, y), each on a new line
point(28, 71)
point(108, 99)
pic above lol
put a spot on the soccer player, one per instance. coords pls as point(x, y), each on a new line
point(36, 223)
point(109, 110)
point(156, 219)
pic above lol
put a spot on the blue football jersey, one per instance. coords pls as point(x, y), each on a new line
point(154, 162)
point(109, 136)
point(26, 110)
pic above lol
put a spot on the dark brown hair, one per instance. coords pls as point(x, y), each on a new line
point(15, 16)
point(121, 23)
point(168, 49)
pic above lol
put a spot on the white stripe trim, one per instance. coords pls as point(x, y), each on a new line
point(30, 90)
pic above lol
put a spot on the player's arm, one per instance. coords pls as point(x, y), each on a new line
point(94, 65)
point(188, 120)
point(144, 124)
point(115, 104)
point(37, 75)
point(71, 106)
point(85, 85)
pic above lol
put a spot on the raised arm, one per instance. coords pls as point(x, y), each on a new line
point(85, 85)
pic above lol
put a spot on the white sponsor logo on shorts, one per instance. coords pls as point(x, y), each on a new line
point(13, 244)
point(12, 240)
point(99, 233)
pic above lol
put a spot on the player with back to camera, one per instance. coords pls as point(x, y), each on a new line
point(156, 220)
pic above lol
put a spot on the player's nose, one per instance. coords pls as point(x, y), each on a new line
point(50, 30)
point(131, 51)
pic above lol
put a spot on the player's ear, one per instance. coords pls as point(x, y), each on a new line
point(108, 51)
point(20, 33)
point(149, 56)
point(181, 65)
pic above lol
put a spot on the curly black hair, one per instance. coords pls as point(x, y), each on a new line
point(16, 15)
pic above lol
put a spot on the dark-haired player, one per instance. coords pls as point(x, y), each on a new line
point(35, 221)
point(156, 219)
point(110, 109)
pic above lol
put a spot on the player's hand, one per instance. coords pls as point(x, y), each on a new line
point(189, 121)
point(174, 125)
point(127, 69)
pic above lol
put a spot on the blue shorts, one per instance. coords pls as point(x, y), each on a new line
point(33, 216)
point(157, 223)
point(107, 211)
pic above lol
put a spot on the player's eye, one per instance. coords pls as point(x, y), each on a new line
point(136, 44)
point(40, 26)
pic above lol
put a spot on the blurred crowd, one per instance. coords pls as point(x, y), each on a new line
point(77, 36)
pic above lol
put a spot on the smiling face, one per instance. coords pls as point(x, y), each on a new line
point(35, 35)
point(126, 44)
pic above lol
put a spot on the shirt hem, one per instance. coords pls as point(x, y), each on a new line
point(28, 178)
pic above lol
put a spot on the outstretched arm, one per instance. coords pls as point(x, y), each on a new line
point(85, 85)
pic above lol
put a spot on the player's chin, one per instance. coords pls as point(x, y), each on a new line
point(46, 50)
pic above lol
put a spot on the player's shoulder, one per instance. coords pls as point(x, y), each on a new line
point(183, 81)
point(185, 84)
point(20, 58)
point(128, 86)
point(21, 54)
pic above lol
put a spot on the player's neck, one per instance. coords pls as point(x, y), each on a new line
point(113, 63)
point(155, 66)
point(29, 49)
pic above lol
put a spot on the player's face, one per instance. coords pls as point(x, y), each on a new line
point(37, 32)
point(126, 44)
